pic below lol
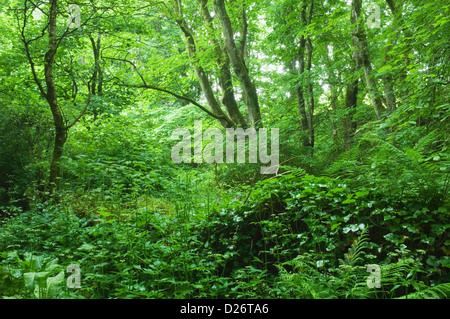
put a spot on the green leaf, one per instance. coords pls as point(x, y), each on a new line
point(86, 247)
point(104, 214)
point(34, 278)
point(334, 226)
point(445, 261)
point(433, 261)
point(348, 201)
point(55, 285)
point(385, 68)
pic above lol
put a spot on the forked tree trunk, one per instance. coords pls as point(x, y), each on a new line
point(199, 71)
point(225, 77)
point(238, 63)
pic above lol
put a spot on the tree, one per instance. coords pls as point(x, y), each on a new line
point(48, 87)
point(352, 86)
point(237, 60)
point(366, 62)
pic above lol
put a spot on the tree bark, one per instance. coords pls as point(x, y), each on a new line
point(304, 47)
point(49, 93)
point(365, 59)
point(225, 77)
point(333, 81)
point(238, 63)
point(58, 120)
point(97, 76)
point(199, 71)
point(309, 53)
point(402, 74)
point(352, 89)
point(228, 99)
point(351, 101)
point(301, 103)
point(388, 83)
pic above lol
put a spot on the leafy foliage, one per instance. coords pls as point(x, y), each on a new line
point(354, 187)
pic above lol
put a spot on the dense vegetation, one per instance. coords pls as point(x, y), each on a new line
point(89, 104)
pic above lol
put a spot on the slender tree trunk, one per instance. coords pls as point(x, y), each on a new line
point(333, 81)
point(351, 100)
point(244, 34)
point(398, 21)
point(97, 76)
point(225, 77)
point(199, 71)
point(365, 59)
point(58, 120)
point(305, 47)
point(388, 80)
point(309, 51)
point(352, 89)
point(389, 92)
point(301, 103)
point(238, 63)
point(49, 92)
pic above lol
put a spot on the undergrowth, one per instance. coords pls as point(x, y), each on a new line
point(293, 236)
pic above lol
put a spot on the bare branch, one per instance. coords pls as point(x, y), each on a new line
point(88, 101)
point(28, 53)
point(152, 87)
point(132, 64)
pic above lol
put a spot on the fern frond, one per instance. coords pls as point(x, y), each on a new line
point(441, 291)
point(396, 273)
point(356, 252)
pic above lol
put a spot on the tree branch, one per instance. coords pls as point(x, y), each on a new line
point(144, 85)
point(88, 101)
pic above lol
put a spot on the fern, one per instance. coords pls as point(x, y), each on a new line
point(441, 291)
point(305, 281)
point(356, 252)
point(351, 277)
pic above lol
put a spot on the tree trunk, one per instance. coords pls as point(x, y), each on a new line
point(333, 81)
point(58, 120)
point(309, 53)
point(199, 71)
point(225, 77)
point(352, 89)
point(351, 100)
point(97, 76)
point(389, 92)
point(49, 93)
point(304, 47)
point(228, 99)
point(301, 103)
point(402, 74)
point(365, 59)
point(238, 63)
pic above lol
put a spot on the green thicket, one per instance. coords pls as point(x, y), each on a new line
point(353, 189)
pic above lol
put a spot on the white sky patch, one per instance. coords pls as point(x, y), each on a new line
point(330, 51)
point(37, 14)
